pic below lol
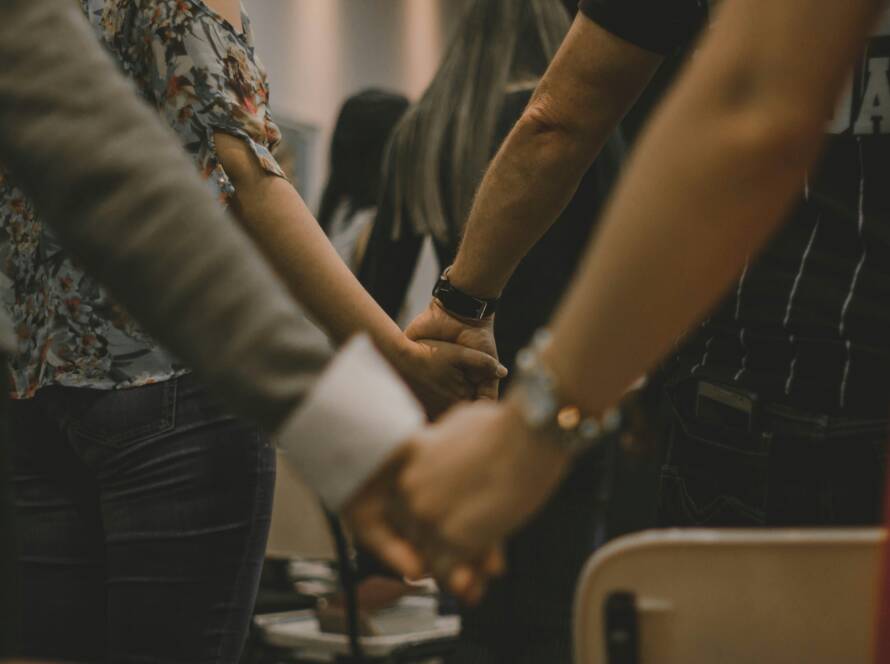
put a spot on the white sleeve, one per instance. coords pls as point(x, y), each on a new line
point(356, 416)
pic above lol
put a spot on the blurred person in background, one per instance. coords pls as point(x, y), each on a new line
point(363, 128)
point(110, 431)
point(434, 165)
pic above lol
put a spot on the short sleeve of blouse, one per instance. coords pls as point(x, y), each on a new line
point(660, 26)
point(204, 77)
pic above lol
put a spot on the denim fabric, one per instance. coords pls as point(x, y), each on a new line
point(142, 521)
point(790, 469)
point(8, 574)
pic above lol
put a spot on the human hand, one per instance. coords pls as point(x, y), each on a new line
point(377, 516)
point(436, 323)
point(442, 373)
point(367, 515)
point(472, 479)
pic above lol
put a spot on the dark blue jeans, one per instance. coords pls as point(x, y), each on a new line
point(142, 517)
point(8, 569)
point(775, 467)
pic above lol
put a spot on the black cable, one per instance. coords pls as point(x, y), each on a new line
point(350, 590)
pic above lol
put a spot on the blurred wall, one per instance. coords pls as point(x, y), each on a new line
point(318, 52)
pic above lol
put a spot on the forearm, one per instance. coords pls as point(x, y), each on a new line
point(276, 217)
point(121, 194)
point(711, 180)
point(594, 79)
point(530, 182)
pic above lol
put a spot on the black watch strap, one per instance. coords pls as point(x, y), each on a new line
point(461, 304)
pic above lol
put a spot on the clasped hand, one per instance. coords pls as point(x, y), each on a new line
point(444, 504)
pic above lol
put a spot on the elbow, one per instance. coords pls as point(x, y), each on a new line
point(783, 137)
point(771, 122)
point(557, 134)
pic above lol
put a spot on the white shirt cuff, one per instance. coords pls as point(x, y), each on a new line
point(356, 416)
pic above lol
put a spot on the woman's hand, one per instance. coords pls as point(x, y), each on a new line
point(442, 373)
point(470, 480)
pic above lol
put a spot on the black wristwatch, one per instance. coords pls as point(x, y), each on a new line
point(461, 304)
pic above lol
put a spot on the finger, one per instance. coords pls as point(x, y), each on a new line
point(477, 591)
point(458, 387)
point(394, 550)
point(488, 389)
point(468, 584)
point(461, 580)
point(494, 564)
point(479, 366)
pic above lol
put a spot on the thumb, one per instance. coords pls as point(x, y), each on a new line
point(479, 366)
point(487, 389)
point(394, 550)
point(495, 562)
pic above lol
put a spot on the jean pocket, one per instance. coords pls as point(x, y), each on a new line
point(685, 501)
point(116, 418)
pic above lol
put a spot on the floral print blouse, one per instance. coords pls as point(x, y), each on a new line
point(202, 76)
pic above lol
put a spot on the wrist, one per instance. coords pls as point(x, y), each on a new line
point(463, 320)
point(459, 303)
point(530, 443)
point(543, 403)
point(473, 282)
point(397, 349)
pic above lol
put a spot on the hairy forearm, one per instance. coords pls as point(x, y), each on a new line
point(593, 81)
point(529, 183)
point(276, 217)
point(711, 180)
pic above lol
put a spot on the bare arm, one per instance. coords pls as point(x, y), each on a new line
point(593, 81)
point(276, 217)
point(230, 10)
point(591, 84)
point(712, 178)
point(274, 214)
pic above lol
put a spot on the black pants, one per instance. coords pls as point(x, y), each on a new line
point(142, 521)
point(776, 466)
point(525, 617)
point(8, 576)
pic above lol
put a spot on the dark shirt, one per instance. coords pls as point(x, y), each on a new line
point(661, 26)
point(808, 323)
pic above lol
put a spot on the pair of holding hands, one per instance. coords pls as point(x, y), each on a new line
point(445, 502)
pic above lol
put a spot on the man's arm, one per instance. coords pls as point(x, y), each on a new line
point(712, 178)
point(592, 82)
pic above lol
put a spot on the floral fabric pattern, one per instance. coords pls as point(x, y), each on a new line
point(202, 76)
